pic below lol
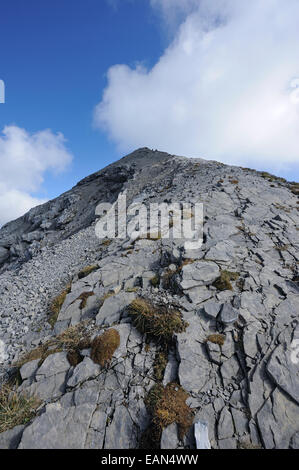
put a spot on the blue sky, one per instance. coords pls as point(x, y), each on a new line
point(216, 82)
point(54, 56)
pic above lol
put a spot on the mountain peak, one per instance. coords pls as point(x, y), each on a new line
point(94, 324)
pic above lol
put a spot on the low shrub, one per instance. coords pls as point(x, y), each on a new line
point(168, 277)
point(132, 289)
point(282, 247)
point(270, 177)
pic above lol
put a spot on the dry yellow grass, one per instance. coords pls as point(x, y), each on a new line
point(224, 280)
point(74, 338)
point(168, 405)
point(83, 297)
point(160, 364)
point(74, 357)
point(56, 305)
point(87, 270)
point(216, 339)
point(106, 242)
point(16, 408)
point(104, 346)
point(159, 322)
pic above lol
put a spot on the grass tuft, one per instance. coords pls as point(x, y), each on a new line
point(56, 305)
point(74, 338)
point(167, 405)
point(74, 357)
point(87, 270)
point(155, 281)
point(158, 322)
point(216, 339)
point(83, 297)
point(160, 364)
point(15, 408)
point(104, 346)
point(106, 242)
point(132, 289)
point(168, 279)
point(224, 280)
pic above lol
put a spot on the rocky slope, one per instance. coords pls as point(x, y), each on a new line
point(237, 358)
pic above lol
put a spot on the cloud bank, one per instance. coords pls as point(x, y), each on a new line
point(226, 88)
point(24, 159)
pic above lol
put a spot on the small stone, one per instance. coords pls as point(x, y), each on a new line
point(54, 364)
point(86, 370)
point(10, 439)
point(199, 274)
point(228, 314)
point(169, 438)
point(225, 424)
point(212, 308)
point(29, 369)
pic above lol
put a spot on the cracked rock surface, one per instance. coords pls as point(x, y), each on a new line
point(243, 381)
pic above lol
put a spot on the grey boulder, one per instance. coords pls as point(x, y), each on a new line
point(200, 273)
point(228, 314)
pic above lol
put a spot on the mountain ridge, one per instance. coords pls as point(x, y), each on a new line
point(236, 359)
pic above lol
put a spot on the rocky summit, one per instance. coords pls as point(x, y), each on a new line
point(126, 343)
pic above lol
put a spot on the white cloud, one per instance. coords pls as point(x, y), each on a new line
point(174, 11)
point(224, 89)
point(24, 158)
